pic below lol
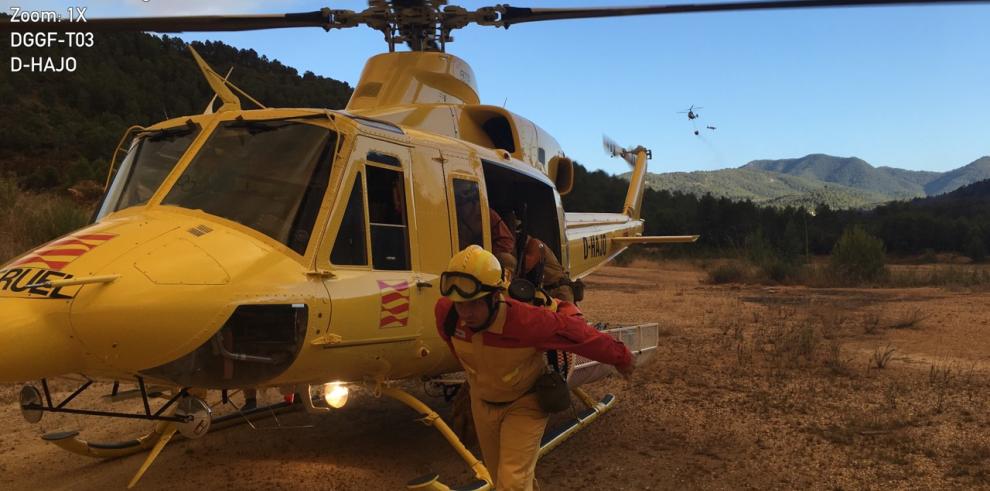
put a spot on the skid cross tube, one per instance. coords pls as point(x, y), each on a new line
point(60, 408)
point(144, 396)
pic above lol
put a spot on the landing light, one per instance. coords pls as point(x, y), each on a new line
point(335, 393)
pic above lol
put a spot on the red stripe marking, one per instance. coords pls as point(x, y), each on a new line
point(56, 265)
point(397, 309)
point(61, 252)
point(390, 320)
point(392, 297)
point(72, 242)
point(101, 237)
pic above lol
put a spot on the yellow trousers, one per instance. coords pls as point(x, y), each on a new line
point(509, 436)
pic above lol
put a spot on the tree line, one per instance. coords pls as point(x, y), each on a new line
point(955, 222)
point(60, 128)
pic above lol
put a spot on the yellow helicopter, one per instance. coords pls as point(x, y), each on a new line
point(301, 248)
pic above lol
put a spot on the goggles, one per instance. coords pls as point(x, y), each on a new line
point(466, 285)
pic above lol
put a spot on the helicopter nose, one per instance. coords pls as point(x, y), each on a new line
point(36, 340)
point(168, 298)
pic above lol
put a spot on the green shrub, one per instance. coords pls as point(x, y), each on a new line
point(732, 272)
point(773, 265)
point(55, 218)
point(8, 193)
point(780, 269)
point(857, 256)
point(975, 248)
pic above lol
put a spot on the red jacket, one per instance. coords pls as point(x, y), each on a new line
point(503, 240)
point(505, 362)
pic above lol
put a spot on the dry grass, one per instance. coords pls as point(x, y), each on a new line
point(728, 272)
point(910, 319)
point(784, 359)
point(971, 461)
point(28, 220)
point(940, 377)
point(871, 323)
point(819, 275)
point(973, 276)
point(881, 356)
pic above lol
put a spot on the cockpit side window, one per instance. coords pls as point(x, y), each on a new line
point(150, 159)
point(302, 226)
point(348, 247)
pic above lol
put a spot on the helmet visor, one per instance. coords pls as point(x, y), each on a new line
point(463, 284)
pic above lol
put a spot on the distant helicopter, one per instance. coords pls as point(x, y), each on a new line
point(690, 112)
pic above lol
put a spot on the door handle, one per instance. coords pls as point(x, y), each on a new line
point(423, 284)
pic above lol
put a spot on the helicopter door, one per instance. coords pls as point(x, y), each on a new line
point(374, 299)
point(432, 232)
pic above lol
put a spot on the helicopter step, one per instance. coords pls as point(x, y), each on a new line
point(555, 436)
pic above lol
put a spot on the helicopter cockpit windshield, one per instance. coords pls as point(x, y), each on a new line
point(151, 157)
point(267, 175)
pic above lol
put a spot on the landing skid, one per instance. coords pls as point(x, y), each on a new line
point(156, 440)
point(71, 441)
point(555, 436)
point(483, 481)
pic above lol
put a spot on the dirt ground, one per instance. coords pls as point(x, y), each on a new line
point(752, 387)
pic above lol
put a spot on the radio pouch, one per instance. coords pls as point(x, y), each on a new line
point(552, 392)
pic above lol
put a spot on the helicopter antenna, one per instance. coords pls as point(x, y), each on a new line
point(221, 86)
point(209, 106)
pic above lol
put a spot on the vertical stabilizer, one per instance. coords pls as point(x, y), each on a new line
point(637, 158)
point(634, 196)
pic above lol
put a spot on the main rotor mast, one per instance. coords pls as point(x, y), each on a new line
point(423, 25)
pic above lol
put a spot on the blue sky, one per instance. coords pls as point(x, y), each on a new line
point(905, 87)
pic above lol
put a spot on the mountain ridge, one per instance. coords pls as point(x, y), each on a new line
point(815, 179)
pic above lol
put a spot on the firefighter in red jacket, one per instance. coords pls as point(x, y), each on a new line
point(501, 343)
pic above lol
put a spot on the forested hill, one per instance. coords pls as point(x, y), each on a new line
point(955, 222)
point(59, 128)
point(818, 179)
point(975, 171)
point(846, 171)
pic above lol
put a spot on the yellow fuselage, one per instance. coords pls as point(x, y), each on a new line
point(180, 277)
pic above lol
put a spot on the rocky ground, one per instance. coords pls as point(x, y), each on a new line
point(752, 387)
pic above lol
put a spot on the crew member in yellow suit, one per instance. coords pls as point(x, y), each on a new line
point(500, 342)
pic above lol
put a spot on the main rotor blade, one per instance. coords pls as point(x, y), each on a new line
point(320, 18)
point(515, 15)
